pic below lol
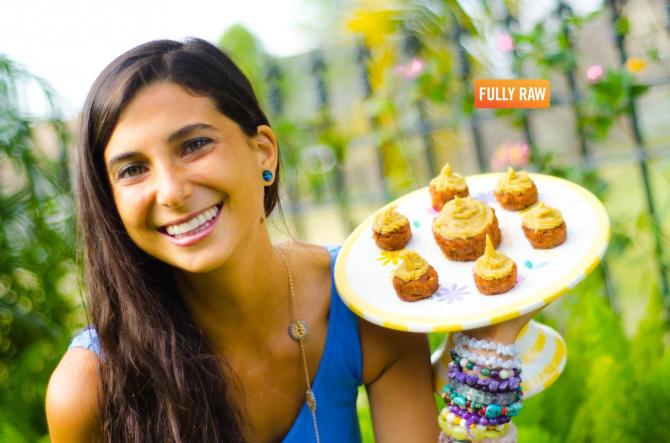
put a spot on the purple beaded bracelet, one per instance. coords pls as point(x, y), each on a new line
point(486, 384)
point(485, 371)
point(476, 418)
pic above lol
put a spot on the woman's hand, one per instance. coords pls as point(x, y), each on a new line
point(505, 332)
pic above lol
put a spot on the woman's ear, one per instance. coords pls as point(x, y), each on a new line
point(267, 148)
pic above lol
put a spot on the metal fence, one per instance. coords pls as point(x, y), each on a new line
point(424, 126)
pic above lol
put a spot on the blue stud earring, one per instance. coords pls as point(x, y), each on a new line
point(267, 176)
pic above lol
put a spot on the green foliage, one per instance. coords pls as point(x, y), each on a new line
point(607, 99)
point(622, 26)
point(548, 51)
point(36, 268)
point(248, 53)
point(364, 416)
point(612, 386)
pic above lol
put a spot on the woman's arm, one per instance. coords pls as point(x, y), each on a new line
point(72, 399)
point(398, 376)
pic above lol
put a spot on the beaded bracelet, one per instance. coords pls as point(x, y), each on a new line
point(470, 398)
point(478, 419)
point(464, 418)
point(484, 370)
point(458, 434)
point(452, 415)
point(487, 360)
point(477, 395)
point(484, 384)
point(489, 412)
point(463, 340)
point(496, 414)
point(458, 429)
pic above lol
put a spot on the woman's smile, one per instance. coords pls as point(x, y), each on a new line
point(193, 229)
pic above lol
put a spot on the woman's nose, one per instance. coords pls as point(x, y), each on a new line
point(173, 187)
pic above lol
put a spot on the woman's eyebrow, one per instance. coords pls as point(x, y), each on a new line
point(176, 135)
point(186, 130)
point(120, 158)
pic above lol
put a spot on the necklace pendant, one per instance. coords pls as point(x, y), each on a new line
point(298, 330)
point(311, 400)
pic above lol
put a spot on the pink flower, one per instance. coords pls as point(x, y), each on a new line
point(594, 72)
point(510, 154)
point(412, 69)
point(504, 42)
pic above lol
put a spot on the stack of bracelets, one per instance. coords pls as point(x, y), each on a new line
point(483, 392)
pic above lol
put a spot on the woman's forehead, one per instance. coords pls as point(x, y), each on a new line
point(160, 110)
point(165, 99)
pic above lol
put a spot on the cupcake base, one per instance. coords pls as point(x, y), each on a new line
point(414, 290)
point(393, 240)
point(472, 248)
point(546, 238)
point(513, 201)
point(498, 285)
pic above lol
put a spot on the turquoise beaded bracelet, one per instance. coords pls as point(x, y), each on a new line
point(490, 410)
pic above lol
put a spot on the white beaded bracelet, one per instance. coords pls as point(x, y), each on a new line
point(488, 360)
point(510, 350)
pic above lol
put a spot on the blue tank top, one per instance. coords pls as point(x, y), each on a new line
point(335, 384)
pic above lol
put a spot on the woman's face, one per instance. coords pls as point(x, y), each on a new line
point(187, 182)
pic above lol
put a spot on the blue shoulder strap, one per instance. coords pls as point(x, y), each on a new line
point(87, 339)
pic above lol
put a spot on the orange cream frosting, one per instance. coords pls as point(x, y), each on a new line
point(463, 218)
point(493, 264)
point(542, 217)
point(389, 220)
point(516, 182)
point(448, 180)
point(413, 266)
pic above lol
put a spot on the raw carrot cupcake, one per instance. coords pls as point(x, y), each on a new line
point(391, 229)
point(544, 227)
point(494, 272)
point(461, 227)
point(516, 191)
point(446, 186)
point(414, 279)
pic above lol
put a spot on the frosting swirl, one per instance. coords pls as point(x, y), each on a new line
point(463, 218)
point(542, 217)
point(389, 220)
point(413, 266)
point(449, 180)
point(493, 264)
point(514, 181)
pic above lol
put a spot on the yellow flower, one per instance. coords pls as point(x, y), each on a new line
point(381, 61)
point(387, 257)
point(374, 25)
point(636, 65)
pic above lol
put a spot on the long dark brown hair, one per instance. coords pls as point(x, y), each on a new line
point(160, 379)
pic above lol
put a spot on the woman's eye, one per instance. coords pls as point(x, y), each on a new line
point(130, 171)
point(196, 144)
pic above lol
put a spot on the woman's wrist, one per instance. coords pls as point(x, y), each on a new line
point(497, 333)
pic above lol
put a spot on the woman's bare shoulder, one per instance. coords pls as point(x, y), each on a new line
point(308, 256)
point(72, 398)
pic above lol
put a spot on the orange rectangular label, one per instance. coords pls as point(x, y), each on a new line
point(515, 94)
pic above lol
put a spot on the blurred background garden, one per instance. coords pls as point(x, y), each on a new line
point(380, 101)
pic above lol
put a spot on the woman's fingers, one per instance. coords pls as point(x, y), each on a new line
point(505, 332)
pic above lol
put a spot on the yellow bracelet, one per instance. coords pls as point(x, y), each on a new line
point(454, 427)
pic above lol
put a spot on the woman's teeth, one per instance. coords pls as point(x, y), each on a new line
point(194, 223)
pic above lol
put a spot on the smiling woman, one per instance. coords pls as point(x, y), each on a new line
point(179, 187)
point(177, 171)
